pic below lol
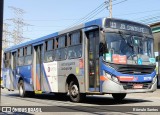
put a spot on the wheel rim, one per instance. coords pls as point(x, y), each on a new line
point(74, 90)
point(21, 90)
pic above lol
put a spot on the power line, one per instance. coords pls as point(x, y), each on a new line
point(132, 13)
point(149, 19)
point(119, 2)
point(95, 12)
point(104, 8)
point(53, 20)
point(88, 15)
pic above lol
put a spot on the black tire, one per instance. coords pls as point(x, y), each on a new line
point(119, 96)
point(21, 88)
point(158, 86)
point(74, 93)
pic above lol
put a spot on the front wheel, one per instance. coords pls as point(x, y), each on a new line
point(74, 92)
point(119, 96)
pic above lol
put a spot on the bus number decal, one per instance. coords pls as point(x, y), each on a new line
point(113, 25)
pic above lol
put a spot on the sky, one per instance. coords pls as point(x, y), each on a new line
point(44, 17)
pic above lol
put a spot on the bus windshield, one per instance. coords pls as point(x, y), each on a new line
point(131, 46)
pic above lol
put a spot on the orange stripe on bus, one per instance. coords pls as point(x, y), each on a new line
point(103, 78)
point(32, 77)
point(37, 83)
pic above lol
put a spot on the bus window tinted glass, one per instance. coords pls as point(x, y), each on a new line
point(50, 45)
point(75, 38)
point(75, 51)
point(62, 42)
point(21, 52)
point(29, 50)
point(49, 56)
point(61, 54)
point(7, 59)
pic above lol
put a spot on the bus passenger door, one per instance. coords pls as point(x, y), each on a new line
point(13, 70)
point(37, 67)
point(93, 60)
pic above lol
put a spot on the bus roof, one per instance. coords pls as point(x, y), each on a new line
point(99, 22)
point(34, 41)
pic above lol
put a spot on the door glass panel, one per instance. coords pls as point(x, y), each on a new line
point(93, 63)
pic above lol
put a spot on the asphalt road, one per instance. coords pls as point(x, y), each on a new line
point(101, 104)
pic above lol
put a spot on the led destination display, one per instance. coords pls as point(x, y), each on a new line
point(127, 25)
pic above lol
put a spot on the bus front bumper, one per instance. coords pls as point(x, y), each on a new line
point(109, 86)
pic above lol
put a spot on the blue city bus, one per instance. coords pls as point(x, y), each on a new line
point(103, 56)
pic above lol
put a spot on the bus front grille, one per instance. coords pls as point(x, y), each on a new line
point(132, 69)
point(130, 85)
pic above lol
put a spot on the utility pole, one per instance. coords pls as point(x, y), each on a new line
point(110, 8)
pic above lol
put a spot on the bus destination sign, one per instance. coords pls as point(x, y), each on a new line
point(127, 25)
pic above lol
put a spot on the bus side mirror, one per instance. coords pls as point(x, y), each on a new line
point(102, 49)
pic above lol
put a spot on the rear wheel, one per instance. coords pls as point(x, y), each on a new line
point(22, 91)
point(119, 96)
point(74, 92)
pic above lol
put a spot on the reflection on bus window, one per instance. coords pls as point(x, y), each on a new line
point(61, 54)
point(75, 38)
point(74, 51)
point(49, 56)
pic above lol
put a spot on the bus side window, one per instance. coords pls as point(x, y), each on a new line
point(61, 52)
point(28, 55)
point(75, 48)
point(7, 57)
point(62, 42)
point(49, 52)
point(20, 57)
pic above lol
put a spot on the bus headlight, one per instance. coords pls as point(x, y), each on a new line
point(115, 79)
point(154, 79)
point(108, 76)
point(111, 77)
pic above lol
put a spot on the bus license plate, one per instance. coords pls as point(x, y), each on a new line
point(138, 86)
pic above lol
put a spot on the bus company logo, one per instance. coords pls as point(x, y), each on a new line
point(50, 69)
